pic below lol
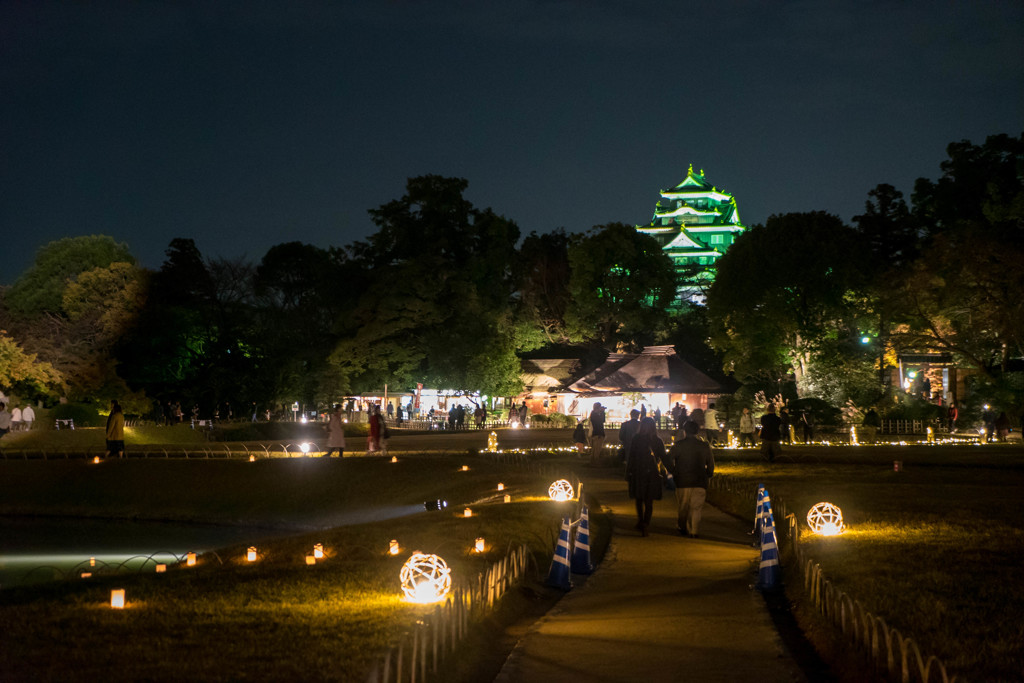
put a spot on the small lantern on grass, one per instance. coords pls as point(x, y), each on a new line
point(310, 560)
point(318, 550)
point(92, 561)
point(464, 468)
point(117, 598)
point(479, 547)
point(501, 487)
point(190, 559)
point(394, 459)
point(492, 442)
point(86, 575)
point(561, 491)
point(161, 568)
point(252, 458)
point(393, 547)
point(250, 555)
point(96, 460)
point(508, 498)
point(468, 512)
point(425, 578)
point(825, 519)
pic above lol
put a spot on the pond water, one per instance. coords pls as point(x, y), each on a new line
point(37, 549)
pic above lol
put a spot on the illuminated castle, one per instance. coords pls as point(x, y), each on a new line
point(694, 223)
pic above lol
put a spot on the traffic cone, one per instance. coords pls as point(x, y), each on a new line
point(766, 512)
point(558, 574)
point(758, 511)
point(768, 571)
point(581, 546)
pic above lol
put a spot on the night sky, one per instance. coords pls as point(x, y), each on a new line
point(247, 124)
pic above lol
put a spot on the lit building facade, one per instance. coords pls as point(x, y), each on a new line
point(695, 223)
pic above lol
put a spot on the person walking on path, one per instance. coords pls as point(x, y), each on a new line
point(692, 464)
point(336, 432)
point(627, 431)
point(596, 433)
point(747, 428)
point(115, 431)
point(16, 419)
point(646, 452)
point(785, 426)
point(807, 420)
point(711, 425)
point(771, 434)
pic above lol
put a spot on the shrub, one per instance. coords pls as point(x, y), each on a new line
point(84, 414)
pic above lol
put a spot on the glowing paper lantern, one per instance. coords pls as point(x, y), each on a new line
point(425, 578)
point(92, 561)
point(501, 487)
point(252, 458)
point(190, 559)
point(318, 550)
point(467, 512)
point(508, 498)
point(161, 568)
point(394, 458)
point(479, 547)
point(251, 554)
point(561, 490)
point(931, 435)
point(117, 598)
point(393, 548)
point(86, 575)
point(492, 442)
point(304, 447)
point(825, 519)
point(96, 460)
point(310, 559)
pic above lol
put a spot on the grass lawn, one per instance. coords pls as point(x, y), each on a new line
point(276, 619)
point(936, 550)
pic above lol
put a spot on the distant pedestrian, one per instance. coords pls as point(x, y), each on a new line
point(870, 424)
point(115, 431)
point(1002, 427)
point(747, 428)
point(579, 437)
point(692, 464)
point(643, 464)
point(5, 419)
point(657, 418)
point(523, 413)
point(376, 422)
point(596, 433)
point(785, 426)
point(807, 420)
point(28, 416)
point(771, 434)
point(711, 425)
point(16, 419)
point(627, 431)
point(336, 432)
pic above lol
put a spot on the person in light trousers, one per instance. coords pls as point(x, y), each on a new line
point(692, 464)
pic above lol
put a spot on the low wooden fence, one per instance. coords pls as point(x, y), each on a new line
point(421, 652)
point(887, 651)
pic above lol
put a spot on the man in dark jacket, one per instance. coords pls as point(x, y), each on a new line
point(627, 431)
point(771, 434)
point(692, 464)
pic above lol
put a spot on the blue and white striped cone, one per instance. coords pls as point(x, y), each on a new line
point(581, 546)
point(768, 572)
point(558, 574)
point(766, 512)
point(758, 510)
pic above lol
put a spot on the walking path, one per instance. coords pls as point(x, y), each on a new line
point(660, 608)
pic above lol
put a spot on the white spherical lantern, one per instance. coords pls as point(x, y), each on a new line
point(425, 578)
point(825, 519)
point(561, 490)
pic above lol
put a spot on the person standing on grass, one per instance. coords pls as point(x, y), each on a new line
point(711, 424)
point(596, 433)
point(336, 432)
point(747, 428)
point(376, 422)
point(692, 464)
point(28, 416)
point(646, 452)
point(579, 437)
point(771, 434)
point(115, 431)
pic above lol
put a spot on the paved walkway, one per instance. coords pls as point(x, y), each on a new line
point(660, 608)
